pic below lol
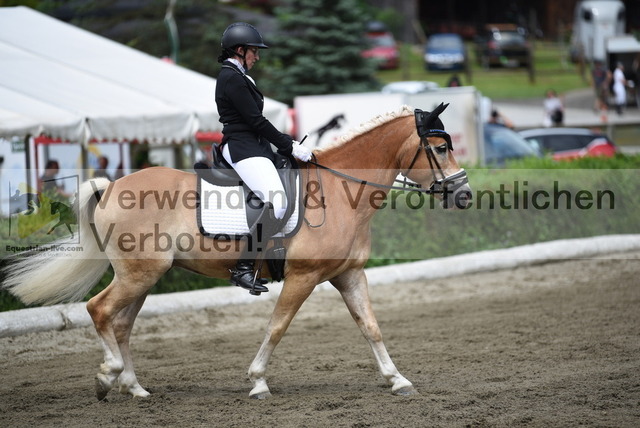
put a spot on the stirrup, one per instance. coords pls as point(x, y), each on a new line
point(248, 279)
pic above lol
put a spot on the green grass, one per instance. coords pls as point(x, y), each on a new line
point(551, 65)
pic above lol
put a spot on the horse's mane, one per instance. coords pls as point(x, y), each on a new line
point(365, 127)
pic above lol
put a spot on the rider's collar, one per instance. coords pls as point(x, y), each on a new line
point(237, 64)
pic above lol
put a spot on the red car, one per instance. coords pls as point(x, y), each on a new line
point(570, 143)
point(383, 47)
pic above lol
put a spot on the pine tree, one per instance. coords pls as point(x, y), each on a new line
point(318, 50)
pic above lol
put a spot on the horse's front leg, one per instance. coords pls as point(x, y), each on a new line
point(353, 287)
point(294, 292)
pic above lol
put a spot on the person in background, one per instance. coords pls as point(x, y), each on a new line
point(553, 109)
point(600, 81)
point(619, 88)
point(499, 119)
point(101, 171)
point(48, 183)
point(454, 81)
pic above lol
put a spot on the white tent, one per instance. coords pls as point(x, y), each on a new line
point(74, 85)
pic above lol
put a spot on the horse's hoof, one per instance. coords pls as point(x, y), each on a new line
point(103, 386)
point(260, 395)
point(135, 391)
point(406, 391)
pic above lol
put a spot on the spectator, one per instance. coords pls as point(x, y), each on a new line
point(600, 81)
point(500, 119)
point(553, 109)
point(619, 87)
point(454, 81)
point(48, 183)
point(101, 171)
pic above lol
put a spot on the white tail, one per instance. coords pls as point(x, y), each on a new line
point(61, 273)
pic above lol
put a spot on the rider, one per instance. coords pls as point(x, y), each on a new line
point(247, 135)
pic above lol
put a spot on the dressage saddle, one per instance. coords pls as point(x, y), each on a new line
point(223, 174)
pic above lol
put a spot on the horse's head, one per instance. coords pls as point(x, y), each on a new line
point(428, 159)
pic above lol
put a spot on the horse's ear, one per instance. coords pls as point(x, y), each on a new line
point(442, 107)
point(433, 120)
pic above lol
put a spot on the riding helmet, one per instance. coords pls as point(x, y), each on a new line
point(242, 34)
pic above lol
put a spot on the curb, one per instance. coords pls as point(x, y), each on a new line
point(72, 315)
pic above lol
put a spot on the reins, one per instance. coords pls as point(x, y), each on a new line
point(410, 186)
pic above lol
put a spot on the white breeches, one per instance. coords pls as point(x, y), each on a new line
point(261, 176)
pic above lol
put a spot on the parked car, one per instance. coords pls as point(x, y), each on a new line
point(502, 44)
point(569, 143)
point(383, 46)
point(502, 144)
point(445, 51)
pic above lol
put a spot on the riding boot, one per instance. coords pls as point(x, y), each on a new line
point(259, 235)
point(243, 276)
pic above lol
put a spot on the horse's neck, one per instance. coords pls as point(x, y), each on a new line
point(372, 155)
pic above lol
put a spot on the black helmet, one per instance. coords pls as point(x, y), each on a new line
point(241, 34)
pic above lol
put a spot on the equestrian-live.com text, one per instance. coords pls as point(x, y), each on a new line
point(37, 247)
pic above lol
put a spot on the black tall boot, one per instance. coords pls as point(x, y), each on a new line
point(259, 235)
point(243, 276)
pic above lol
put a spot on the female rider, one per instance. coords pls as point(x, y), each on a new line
point(248, 135)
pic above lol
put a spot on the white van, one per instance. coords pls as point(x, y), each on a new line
point(594, 22)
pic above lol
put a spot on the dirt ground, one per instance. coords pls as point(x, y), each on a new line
point(550, 345)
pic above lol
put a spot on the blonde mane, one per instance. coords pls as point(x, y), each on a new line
point(365, 127)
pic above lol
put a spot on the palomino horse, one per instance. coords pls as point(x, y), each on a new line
point(333, 244)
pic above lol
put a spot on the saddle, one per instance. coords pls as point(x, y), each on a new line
point(224, 222)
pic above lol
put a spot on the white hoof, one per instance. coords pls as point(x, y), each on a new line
point(405, 391)
point(260, 395)
point(260, 390)
point(134, 390)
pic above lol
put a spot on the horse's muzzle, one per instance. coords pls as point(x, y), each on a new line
point(454, 189)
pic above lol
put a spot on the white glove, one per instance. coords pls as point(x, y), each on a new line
point(300, 152)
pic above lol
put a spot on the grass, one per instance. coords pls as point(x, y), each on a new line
point(552, 70)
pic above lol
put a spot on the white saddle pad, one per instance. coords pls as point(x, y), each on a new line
point(222, 211)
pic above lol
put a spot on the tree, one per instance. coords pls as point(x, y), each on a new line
point(141, 25)
point(318, 50)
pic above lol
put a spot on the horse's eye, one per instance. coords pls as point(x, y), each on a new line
point(441, 150)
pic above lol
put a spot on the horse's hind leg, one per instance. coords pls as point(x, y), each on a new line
point(126, 292)
point(353, 288)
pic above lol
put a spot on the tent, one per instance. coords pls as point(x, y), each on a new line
point(71, 84)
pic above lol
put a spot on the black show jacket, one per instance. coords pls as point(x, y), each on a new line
point(246, 130)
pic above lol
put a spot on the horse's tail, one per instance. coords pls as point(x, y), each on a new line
point(63, 271)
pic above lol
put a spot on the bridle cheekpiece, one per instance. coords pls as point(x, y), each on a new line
point(428, 124)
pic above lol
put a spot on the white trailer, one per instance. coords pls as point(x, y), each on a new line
point(462, 119)
point(594, 22)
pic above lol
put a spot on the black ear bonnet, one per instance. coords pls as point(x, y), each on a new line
point(429, 124)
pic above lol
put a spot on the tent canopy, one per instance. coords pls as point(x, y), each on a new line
point(58, 79)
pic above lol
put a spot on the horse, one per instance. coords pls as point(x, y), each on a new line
point(126, 224)
point(66, 216)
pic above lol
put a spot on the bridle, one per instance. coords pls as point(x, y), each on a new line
point(445, 185)
point(448, 183)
